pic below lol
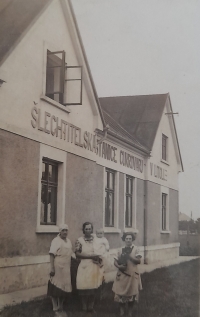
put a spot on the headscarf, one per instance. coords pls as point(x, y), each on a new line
point(63, 226)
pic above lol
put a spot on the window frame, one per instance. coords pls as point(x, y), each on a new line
point(114, 228)
point(164, 148)
point(63, 80)
point(134, 205)
point(108, 191)
point(49, 184)
point(164, 211)
point(128, 195)
point(164, 193)
point(60, 157)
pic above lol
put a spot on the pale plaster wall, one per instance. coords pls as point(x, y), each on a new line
point(24, 74)
point(140, 213)
point(172, 167)
point(154, 235)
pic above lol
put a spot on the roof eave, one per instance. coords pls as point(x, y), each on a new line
point(146, 152)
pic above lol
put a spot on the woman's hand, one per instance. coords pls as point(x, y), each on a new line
point(122, 267)
point(52, 273)
point(135, 260)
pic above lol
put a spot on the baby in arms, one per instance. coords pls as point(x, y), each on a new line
point(101, 246)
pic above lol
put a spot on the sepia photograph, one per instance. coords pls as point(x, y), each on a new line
point(99, 158)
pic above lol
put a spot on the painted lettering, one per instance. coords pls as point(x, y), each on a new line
point(46, 115)
point(34, 113)
point(53, 118)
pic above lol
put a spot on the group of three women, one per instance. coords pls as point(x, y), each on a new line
point(90, 273)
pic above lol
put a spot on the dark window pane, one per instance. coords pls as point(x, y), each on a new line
point(109, 198)
point(109, 215)
point(52, 173)
point(44, 171)
point(44, 196)
point(55, 76)
point(111, 185)
point(164, 210)
point(129, 194)
point(49, 192)
point(164, 147)
point(52, 203)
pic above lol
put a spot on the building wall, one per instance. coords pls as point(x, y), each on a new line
point(174, 213)
point(154, 235)
point(19, 170)
point(140, 213)
point(84, 194)
point(19, 159)
point(169, 169)
point(27, 63)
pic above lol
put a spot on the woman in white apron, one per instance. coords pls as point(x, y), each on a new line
point(89, 275)
point(60, 277)
point(128, 282)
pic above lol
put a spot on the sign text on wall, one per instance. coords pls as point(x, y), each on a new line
point(158, 172)
point(64, 130)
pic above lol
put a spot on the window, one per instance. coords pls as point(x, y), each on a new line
point(129, 202)
point(51, 207)
point(49, 188)
point(164, 211)
point(109, 198)
point(63, 82)
point(164, 147)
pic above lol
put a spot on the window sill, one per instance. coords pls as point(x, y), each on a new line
point(131, 230)
point(165, 162)
point(47, 229)
point(165, 231)
point(55, 103)
point(111, 230)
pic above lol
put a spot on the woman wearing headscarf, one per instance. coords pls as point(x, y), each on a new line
point(89, 275)
point(127, 283)
point(60, 277)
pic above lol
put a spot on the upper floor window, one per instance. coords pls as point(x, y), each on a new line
point(49, 188)
point(63, 82)
point(164, 147)
point(164, 211)
point(129, 202)
point(109, 198)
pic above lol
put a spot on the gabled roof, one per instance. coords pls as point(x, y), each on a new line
point(119, 131)
point(17, 16)
point(138, 115)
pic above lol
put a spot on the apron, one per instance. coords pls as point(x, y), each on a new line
point(62, 263)
point(89, 275)
point(125, 285)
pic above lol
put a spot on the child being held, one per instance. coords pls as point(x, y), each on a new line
point(101, 246)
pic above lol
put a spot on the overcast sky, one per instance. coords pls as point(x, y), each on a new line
point(138, 47)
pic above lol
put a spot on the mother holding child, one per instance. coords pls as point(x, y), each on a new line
point(90, 273)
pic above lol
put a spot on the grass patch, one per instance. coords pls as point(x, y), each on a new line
point(168, 292)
